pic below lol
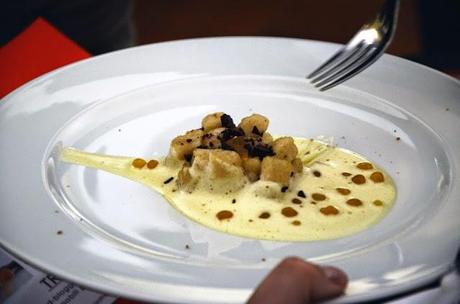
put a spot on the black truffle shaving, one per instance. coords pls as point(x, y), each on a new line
point(249, 140)
point(226, 146)
point(230, 133)
point(256, 131)
point(168, 180)
point(259, 149)
point(188, 157)
point(227, 121)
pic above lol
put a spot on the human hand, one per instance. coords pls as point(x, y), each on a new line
point(6, 282)
point(296, 281)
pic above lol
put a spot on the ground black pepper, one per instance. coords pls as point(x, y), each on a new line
point(168, 180)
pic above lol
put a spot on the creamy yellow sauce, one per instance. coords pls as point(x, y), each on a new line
point(263, 210)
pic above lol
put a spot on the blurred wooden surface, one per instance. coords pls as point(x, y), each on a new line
point(333, 20)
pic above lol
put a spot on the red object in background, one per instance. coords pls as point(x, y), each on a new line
point(38, 49)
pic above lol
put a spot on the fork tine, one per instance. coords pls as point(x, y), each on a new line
point(354, 57)
point(350, 64)
point(352, 70)
point(327, 63)
point(355, 53)
point(349, 71)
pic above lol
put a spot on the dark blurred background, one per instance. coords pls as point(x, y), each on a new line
point(333, 20)
point(428, 30)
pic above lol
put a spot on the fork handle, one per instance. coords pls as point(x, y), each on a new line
point(389, 12)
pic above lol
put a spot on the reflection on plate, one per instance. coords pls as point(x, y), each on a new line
point(113, 104)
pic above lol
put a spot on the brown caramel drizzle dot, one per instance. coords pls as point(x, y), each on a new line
point(318, 196)
point(346, 174)
point(354, 202)
point(139, 163)
point(377, 177)
point(358, 179)
point(343, 191)
point(289, 212)
point(329, 210)
point(224, 215)
point(365, 166)
point(378, 203)
point(296, 201)
point(152, 164)
point(296, 223)
point(264, 215)
point(317, 173)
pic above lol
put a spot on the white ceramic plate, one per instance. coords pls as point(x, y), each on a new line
point(121, 238)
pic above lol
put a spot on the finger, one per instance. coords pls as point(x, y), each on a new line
point(298, 282)
point(329, 284)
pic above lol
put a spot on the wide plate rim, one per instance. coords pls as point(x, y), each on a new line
point(11, 96)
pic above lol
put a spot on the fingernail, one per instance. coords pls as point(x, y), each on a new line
point(335, 275)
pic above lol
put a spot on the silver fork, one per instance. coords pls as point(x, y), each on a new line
point(361, 51)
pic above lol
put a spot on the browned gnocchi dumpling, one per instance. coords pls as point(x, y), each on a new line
point(276, 170)
point(252, 168)
point(267, 138)
point(255, 124)
point(212, 140)
point(184, 179)
point(212, 121)
point(285, 148)
point(298, 165)
point(218, 163)
point(182, 146)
